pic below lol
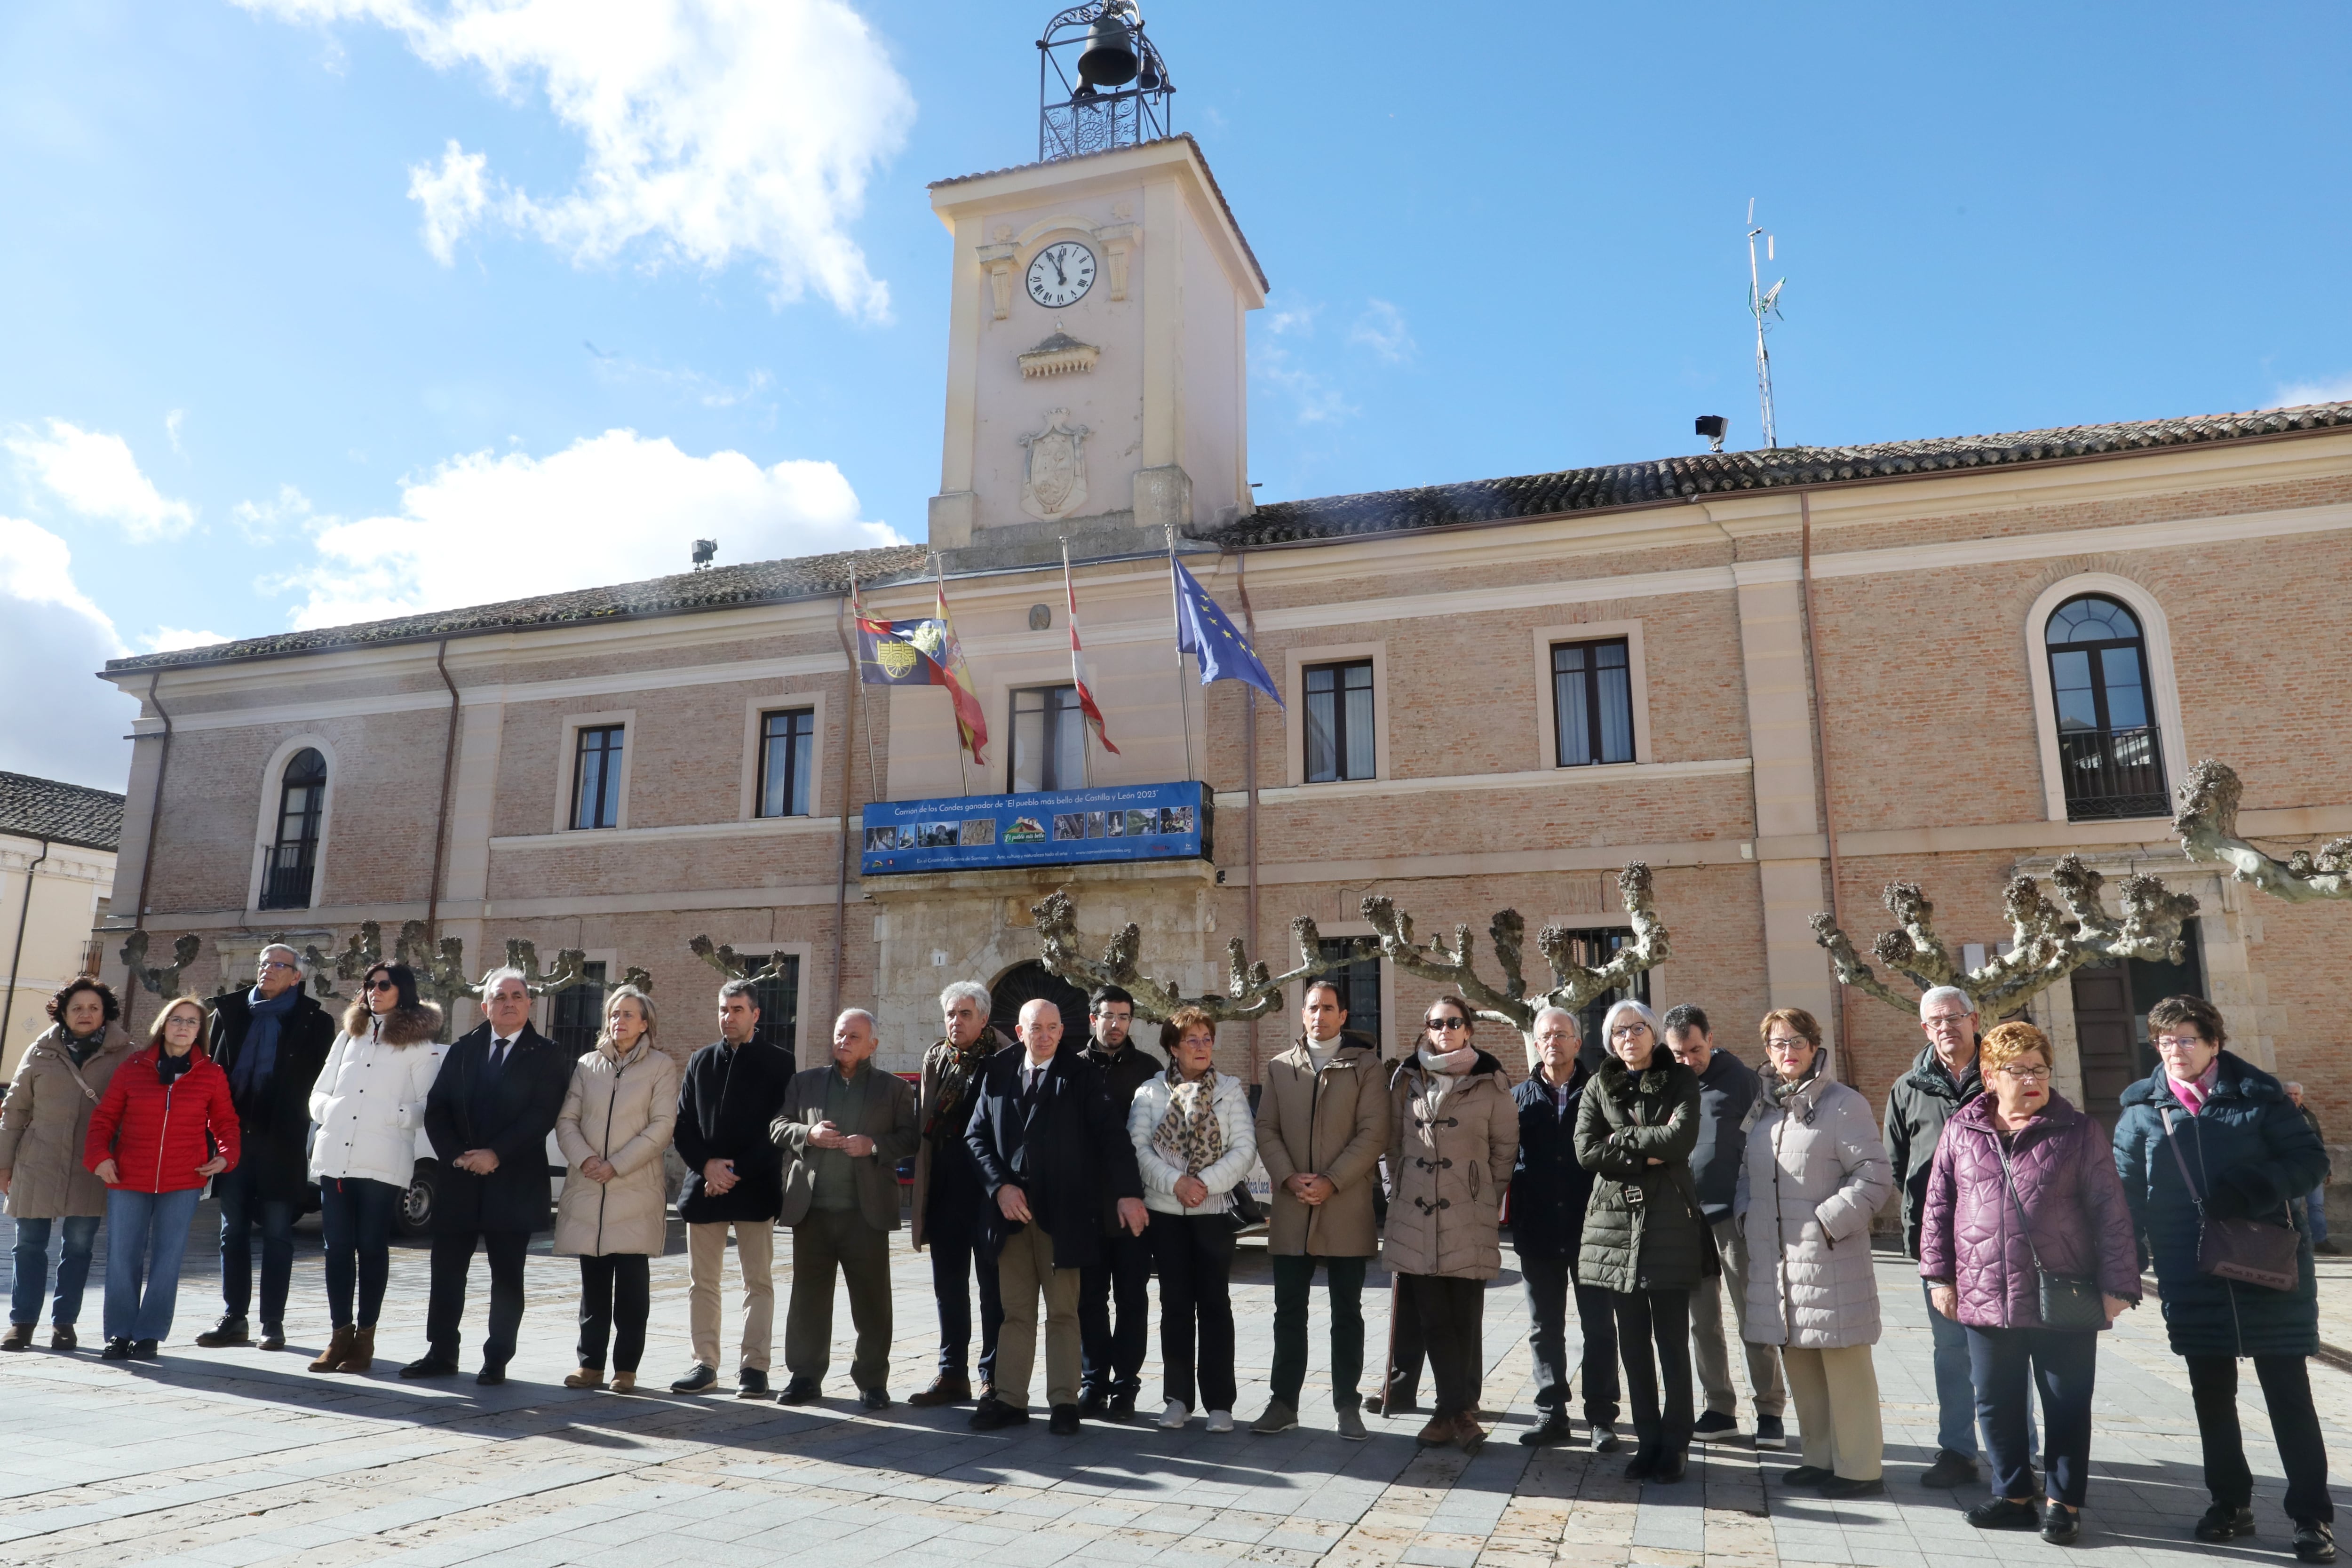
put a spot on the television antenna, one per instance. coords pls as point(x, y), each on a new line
point(1762, 302)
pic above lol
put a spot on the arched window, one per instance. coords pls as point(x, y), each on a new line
point(294, 857)
point(2108, 750)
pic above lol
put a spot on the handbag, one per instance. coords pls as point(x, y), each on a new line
point(2064, 1300)
point(2250, 1251)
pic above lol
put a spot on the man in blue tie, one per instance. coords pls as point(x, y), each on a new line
point(491, 1108)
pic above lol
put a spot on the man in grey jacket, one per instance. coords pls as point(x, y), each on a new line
point(1727, 1090)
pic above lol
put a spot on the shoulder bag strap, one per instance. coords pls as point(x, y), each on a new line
point(2009, 1180)
point(2173, 1143)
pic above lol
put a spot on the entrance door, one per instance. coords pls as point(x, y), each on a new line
point(2105, 1036)
point(1023, 982)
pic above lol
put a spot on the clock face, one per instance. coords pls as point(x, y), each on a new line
point(1062, 274)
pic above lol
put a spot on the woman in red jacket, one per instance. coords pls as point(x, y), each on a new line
point(164, 1128)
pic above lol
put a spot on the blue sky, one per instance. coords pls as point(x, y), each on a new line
point(320, 309)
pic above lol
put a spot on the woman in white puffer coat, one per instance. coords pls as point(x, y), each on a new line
point(368, 1103)
point(1194, 1138)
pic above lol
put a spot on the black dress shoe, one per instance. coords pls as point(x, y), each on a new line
point(1642, 1465)
point(2314, 1540)
point(994, 1413)
point(1553, 1431)
point(2061, 1525)
point(1064, 1422)
point(1715, 1423)
point(751, 1383)
point(1949, 1470)
point(116, 1350)
point(490, 1377)
point(1673, 1466)
point(1122, 1406)
point(1093, 1402)
point(2222, 1521)
point(273, 1338)
point(2005, 1513)
point(1838, 1487)
point(800, 1391)
point(871, 1398)
point(431, 1365)
point(142, 1350)
point(227, 1332)
point(698, 1379)
point(1808, 1476)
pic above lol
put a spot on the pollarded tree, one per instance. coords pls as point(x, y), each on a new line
point(2047, 942)
point(724, 959)
point(2207, 821)
point(1251, 991)
point(1573, 984)
point(163, 980)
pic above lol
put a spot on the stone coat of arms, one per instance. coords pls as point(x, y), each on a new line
point(1054, 481)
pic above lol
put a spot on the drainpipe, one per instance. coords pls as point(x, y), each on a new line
point(841, 878)
point(147, 861)
point(1249, 777)
point(16, 958)
point(441, 815)
point(1820, 718)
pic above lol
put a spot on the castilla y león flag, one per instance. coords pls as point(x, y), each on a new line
point(1078, 661)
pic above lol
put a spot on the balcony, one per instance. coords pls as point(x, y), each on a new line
point(2112, 774)
point(286, 887)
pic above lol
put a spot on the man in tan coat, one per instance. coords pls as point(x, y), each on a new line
point(1323, 1119)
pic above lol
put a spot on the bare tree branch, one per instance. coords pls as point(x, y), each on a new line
point(727, 961)
point(1572, 983)
point(2048, 942)
point(2207, 821)
point(163, 980)
point(571, 967)
point(1251, 991)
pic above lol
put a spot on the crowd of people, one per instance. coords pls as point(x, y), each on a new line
point(1644, 1183)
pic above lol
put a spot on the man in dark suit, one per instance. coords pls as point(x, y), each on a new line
point(490, 1109)
point(844, 1128)
point(1049, 1144)
point(271, 1041)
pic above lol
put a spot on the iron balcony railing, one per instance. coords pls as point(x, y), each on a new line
point(2112, 774)
point(286, 887)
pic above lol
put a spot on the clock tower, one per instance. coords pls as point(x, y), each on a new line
point(1096, 361)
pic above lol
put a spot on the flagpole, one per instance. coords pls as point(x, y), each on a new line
point(963, 773)
point(1070, 602)
point(1176, 616)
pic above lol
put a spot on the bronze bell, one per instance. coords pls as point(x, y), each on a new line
point(1108, 58)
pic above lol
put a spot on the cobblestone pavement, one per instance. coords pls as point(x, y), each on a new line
point(229, 1457)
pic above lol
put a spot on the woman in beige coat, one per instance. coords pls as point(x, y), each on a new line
point(1457, 1136)
point(614, 1215)
point(42, 1129)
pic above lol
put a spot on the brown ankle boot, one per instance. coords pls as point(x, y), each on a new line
point(361, 1355)
point(339, 1345)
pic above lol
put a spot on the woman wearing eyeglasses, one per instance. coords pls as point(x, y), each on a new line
point(369, 1102)
point(1645, 1239)
point(1816, 1173)
point(2025, 1240)
point(2205, 1139)
point(1456, 1137)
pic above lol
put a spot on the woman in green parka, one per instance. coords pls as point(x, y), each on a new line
point(1644, 1239)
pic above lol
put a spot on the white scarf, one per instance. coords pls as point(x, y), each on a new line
point(1448, 1067)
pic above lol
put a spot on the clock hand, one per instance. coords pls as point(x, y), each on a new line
point(1058, 278)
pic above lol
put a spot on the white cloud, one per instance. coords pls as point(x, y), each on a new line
point(714, 130)
point(94, 474)
point(618, 369)
point(1314, 397)
point(167, 639)
point(57, 721)
point(268, 521)
point(172, 423)
point(2336, 389)
point(614, 507)
point(1381, 329)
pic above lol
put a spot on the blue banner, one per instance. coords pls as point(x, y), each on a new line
point(1054, 827)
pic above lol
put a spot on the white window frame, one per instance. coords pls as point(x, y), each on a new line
point(2164, 691)
point(1638, 680)
point(747, 804)
point(1296, 661)
point(1331, 929)
point(265, 833)
point(567, 765)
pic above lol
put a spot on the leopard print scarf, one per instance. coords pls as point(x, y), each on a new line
point(1190, 1135)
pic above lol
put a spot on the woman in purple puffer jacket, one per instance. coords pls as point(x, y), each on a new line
point(2024, 1186)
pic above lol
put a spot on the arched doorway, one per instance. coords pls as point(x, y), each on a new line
point(1023, 984)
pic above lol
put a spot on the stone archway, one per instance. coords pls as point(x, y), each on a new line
point(1025, 982)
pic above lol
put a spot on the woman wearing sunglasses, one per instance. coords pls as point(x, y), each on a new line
point(1456, 1139)
point(369, 1102)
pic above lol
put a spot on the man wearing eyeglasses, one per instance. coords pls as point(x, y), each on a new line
point(271, 1041)
point(1943, 1079)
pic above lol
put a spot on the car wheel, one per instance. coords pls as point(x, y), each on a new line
point(416, 1203)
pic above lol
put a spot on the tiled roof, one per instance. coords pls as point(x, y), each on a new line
point(64, 813)
point(718, 588)
point(1717, 473)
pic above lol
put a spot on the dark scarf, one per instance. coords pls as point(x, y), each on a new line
point(963, 1065)
point(82, 1047)
point(168, 1068)
point(257, 1059)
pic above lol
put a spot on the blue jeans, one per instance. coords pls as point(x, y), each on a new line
point(1956, 1393)
point(242, 1208)
point(146, 1235)
point(32, 1255)
point(357, 1215)
point(2316, 1207)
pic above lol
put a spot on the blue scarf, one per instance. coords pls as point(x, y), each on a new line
point(259, 1057)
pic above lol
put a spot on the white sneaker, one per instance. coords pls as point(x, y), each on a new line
point(1175, 1415)
point(1221, 1420)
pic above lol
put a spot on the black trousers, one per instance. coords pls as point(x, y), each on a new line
point(2294, 1426)
point(2008, 1367)
point(1451, 1315)
point(1111, 1358)
point(243, 1210)
point(952, 1234)
point(615, 1296)
point(1659, 1320)
point(1196, 1258)
point(445, 1309)
point(1548, 1282)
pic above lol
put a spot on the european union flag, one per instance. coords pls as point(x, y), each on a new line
point(1202, 631)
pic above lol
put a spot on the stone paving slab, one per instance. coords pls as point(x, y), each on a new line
point(235, 1457)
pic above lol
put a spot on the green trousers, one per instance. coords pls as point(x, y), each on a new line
point(1343, 1278)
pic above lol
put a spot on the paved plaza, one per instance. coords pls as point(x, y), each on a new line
point(231, 1458)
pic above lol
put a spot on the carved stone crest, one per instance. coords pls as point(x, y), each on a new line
point(1053, 484)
